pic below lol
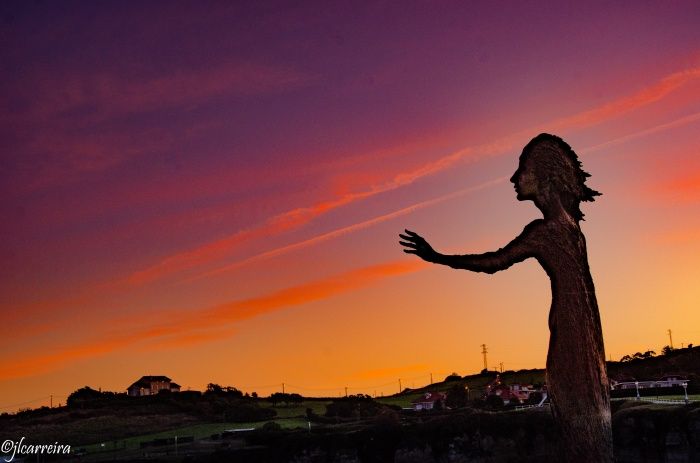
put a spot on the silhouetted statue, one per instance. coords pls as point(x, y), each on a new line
point(550, 174)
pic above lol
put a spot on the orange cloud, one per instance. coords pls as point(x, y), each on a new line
point(190, 328)
point(685, 188)
point(620, 106)
point(300, 216)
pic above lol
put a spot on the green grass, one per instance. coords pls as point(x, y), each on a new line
point(288, 417)
point(402, 401)
point(283, 411)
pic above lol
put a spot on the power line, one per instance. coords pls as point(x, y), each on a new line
point(26, 403)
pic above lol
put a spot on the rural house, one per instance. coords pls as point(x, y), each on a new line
point(665, 381)
point(428, 400)
point(150, 385)
point(514, 393)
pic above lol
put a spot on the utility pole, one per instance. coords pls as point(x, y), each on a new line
point(501, 364)
point(484, 351)
point(51, 400)
point(670, 338)
point(431, 378)
point(400, 386)
point(282, 388)
point(346, 391)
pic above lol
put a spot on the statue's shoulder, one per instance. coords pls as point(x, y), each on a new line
point(535, 226)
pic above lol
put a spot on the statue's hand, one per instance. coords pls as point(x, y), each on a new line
point(416, 244)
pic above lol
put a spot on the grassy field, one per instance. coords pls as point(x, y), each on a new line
point(288, 417)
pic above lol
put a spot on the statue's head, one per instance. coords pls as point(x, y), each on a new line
point(549, 170)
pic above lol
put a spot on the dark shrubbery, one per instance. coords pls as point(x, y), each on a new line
point(287, 399)
point(457, 396)
point(353, 406)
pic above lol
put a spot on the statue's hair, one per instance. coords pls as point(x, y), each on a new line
point(559, 169)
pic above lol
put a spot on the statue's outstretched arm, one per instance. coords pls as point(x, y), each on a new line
point(521, 248)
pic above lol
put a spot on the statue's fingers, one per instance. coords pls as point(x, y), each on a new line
point(408, 245)
point(409, 232)
point(405, 237)
point(410, 251)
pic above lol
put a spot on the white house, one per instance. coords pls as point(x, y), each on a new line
point(150, 385)
point(427, 401)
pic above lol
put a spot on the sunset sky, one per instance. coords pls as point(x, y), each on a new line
point(213, 191)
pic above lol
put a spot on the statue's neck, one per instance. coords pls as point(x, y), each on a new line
point(553, 210)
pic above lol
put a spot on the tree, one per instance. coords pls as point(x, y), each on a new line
point(666, 350)
point(80, 396)
point(359, 405)
point(271, 426)
point(453, 377)
point(534, 399)
point(494, 402)
point(214, 388)
point(456, 396)
point(276, 398)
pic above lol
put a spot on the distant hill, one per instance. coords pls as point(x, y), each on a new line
point(685, 362)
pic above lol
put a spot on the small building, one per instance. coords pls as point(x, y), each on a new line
point(428, 400)
point(665, 381)
point(150, 385)
point(511, 394)
point(505, 393)
point(523, 391)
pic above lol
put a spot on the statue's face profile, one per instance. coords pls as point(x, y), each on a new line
point(525, 181)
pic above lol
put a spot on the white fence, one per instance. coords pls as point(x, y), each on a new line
point(655, 400)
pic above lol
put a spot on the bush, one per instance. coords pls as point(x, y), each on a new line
point(271, 426)
point(494, 402)
point(353, 406)
point(82, 395)
point(248, 412)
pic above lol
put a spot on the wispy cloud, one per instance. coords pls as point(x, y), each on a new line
point(684, 188)
point(300, 216)
point(81, 115)
point(349, 229)
point(620, 106)
point(643, 133)
point(201, 325)
point(109, 94)
point(91, 292)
